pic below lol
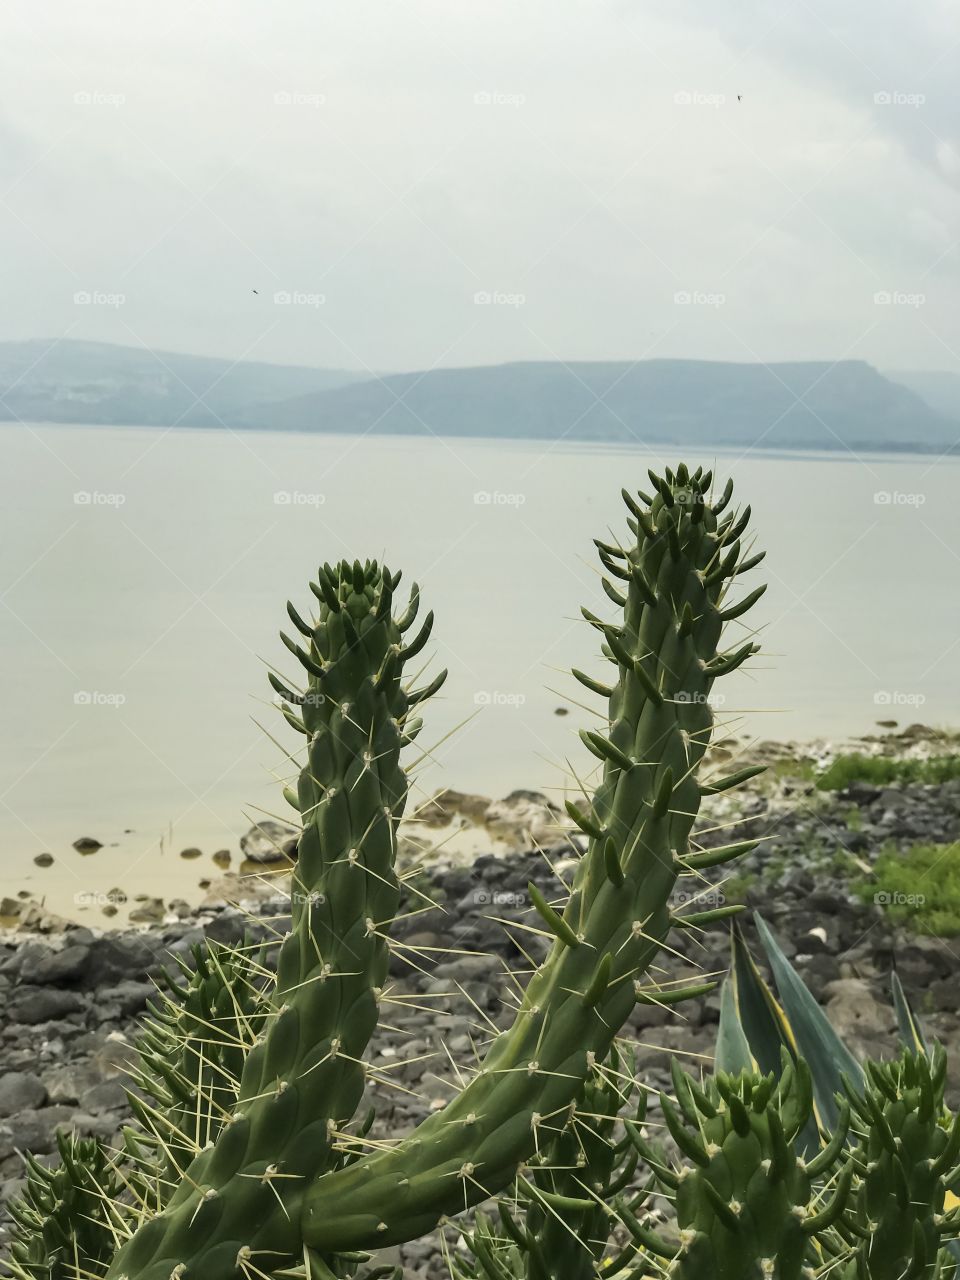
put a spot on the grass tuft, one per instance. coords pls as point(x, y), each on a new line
point(882, 770)
point(918, 887)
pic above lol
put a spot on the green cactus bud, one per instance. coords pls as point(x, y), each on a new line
point(907, 1145)
point(65, 1222)
point(748, 1208)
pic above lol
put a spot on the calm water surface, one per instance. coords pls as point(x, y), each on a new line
point(144, 575)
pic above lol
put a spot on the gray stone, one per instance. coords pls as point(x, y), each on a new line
point(36, 1130)
point(20, 1090)
point(33, 1005)
point(269, 841)
point(109, 1095)
point(116, 957)
point(57, 967)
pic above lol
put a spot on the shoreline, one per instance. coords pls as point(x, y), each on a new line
point(446, 829)
point(70, 999)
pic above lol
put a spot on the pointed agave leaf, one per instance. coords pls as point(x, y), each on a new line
point(732, 1053)
point(816, 1041)
point(763, 1021)
point(911, 1033)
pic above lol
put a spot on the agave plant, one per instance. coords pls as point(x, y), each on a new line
point(907, 1214)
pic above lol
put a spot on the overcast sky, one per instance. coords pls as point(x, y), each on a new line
point(617, 179)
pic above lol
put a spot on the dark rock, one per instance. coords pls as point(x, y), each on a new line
point(149, 912)
point(117, 956)
point(128, 997)
point(20, 1090)
point(109, 1095)
point(36, 1130)
point(228, 927)
point(269, 841)
point(87, 844)
point(57, 967)
point(33, 1005)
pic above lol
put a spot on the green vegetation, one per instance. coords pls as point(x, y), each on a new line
point(248, 1158)
point(918, 887)
point(883, 770)
point(794, 768)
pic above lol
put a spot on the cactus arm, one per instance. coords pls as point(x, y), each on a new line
point(664, 656)
point(237, 1205)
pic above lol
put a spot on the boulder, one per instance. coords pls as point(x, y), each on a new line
point(33, 1005)
point(269, 841)
point(525, 818)
point(56, 967)
point(20, 1091)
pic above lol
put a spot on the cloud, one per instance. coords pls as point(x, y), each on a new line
point(401, 158)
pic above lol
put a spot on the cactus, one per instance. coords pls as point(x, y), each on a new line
point(67, 1222)
point(236, 1208)
point(748, 1205)
point(190, 1056)
point(564, 1197)
point(616, 917)
point(905, 1159)
point(278, 1185)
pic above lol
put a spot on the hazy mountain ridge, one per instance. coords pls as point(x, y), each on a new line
point(99, 382)
point(806, 404)
point(940, 390)
point(802, 404)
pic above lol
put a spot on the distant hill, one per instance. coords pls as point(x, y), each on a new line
point(941, 391)
point(68, 381)
point(797, 405)
point(806, 405)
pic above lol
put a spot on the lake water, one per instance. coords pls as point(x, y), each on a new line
point(144, 575)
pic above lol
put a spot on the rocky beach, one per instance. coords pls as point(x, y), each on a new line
point(71, 993)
